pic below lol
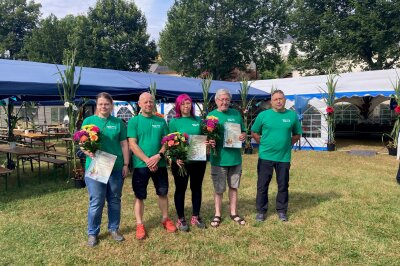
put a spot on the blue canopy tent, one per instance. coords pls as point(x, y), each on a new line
point(169, 87)
point(38, 81)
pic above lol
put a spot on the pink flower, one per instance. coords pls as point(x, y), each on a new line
point(329, 110)
point(96, 129)
point(171, 143)
point(397, 109)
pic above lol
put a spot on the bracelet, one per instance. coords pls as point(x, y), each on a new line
point(126, 164)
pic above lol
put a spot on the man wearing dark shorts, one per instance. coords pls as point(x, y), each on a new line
point(145, 132)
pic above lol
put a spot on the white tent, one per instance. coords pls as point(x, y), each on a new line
point(351, 87)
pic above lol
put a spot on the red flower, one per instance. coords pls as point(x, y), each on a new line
point(329, 110)
point(397, 109)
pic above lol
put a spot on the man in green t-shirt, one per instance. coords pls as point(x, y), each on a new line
point(226, 164)
point(145, 132)
point(276, 130)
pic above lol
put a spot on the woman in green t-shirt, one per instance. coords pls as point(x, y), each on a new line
point(112, 140)
point(186, 122)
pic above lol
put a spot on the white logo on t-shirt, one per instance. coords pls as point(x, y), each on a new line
point(286, 120)
point(156, 126)
point(195, 125)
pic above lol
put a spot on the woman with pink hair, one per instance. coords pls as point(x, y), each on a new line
point(186, 122)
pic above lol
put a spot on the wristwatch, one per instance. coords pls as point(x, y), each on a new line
point(161, 155)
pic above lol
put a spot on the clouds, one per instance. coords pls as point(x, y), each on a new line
point(154, 10)
point(61, 8)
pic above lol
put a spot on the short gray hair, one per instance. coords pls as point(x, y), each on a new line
point(278, 91)
point(221, 92)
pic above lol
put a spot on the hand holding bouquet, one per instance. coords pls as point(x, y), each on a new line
point(177, 147)
point(88, 138)
point(211, 128)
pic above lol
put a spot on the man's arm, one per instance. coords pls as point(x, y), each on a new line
point(256, 137)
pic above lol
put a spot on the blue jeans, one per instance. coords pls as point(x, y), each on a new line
point(98, 193)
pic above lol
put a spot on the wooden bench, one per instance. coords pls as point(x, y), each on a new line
point(5, 173)
point(57, 154)
point(56, 162)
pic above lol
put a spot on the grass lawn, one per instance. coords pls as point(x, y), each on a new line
point(343, 210)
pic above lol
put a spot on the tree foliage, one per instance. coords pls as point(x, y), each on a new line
point(118, 37)
point(337, 32)
point(112, 35)
point(48, 42)
point(220, 35)
point(17, 20)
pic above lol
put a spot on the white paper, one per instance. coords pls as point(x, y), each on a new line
point(101, 166)
point(232, 132)
point(197, 148)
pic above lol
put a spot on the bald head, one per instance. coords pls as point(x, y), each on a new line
point(144, 95)
point(146, 103)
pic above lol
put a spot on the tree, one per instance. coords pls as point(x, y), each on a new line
point(118, 37)
point(48, 42)
point(219, 35)
point(334, 33)
point(17, 20)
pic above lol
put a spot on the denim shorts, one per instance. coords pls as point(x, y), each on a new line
point(140, 180)
point(222, 174)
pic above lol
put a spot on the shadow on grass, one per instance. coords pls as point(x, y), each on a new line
point(33, 185)
point(298, 201)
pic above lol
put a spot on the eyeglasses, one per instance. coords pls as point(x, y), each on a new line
point(224, 100)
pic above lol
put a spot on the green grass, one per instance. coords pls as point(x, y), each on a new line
point(343, 210)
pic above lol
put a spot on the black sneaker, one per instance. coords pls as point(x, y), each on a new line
point(282, 216)
point(117, 236)
point(182, 225)
point(260, 217)
point(92, 241)
point(197, 221)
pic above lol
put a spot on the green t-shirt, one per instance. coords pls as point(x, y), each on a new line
point(112, 132)
point(189, 125)
point(226, 156)
point(276, 130)
point(148, 132)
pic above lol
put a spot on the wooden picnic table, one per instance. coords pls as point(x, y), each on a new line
point(18, 152)
point(37, 136)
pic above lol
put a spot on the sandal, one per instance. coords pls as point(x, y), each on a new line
point(215, 221)
point(239, 220)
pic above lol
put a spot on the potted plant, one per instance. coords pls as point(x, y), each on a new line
point(329, 98)
point(67, 89)
point(11, 119)
point(245, 109)
point(205, 85)
point(391, 140)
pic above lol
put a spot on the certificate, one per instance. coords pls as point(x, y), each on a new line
point(101, 166)
point(232, 133)
point(197, 148)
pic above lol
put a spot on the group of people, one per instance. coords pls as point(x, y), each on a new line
point(275, 129)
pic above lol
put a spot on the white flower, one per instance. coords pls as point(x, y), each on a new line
point(66, 104)
point(74, 107)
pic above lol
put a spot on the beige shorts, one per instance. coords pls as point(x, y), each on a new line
point(220, 175)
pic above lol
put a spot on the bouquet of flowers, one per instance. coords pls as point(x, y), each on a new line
point(88, 138)
point(177, 147)
point(211, 128)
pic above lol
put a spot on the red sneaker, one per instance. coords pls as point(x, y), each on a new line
point(140, 232)
point(169, 225)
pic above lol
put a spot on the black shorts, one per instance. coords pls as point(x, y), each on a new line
point(140, 180)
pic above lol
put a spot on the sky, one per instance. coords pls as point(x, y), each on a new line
point(154, 10)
